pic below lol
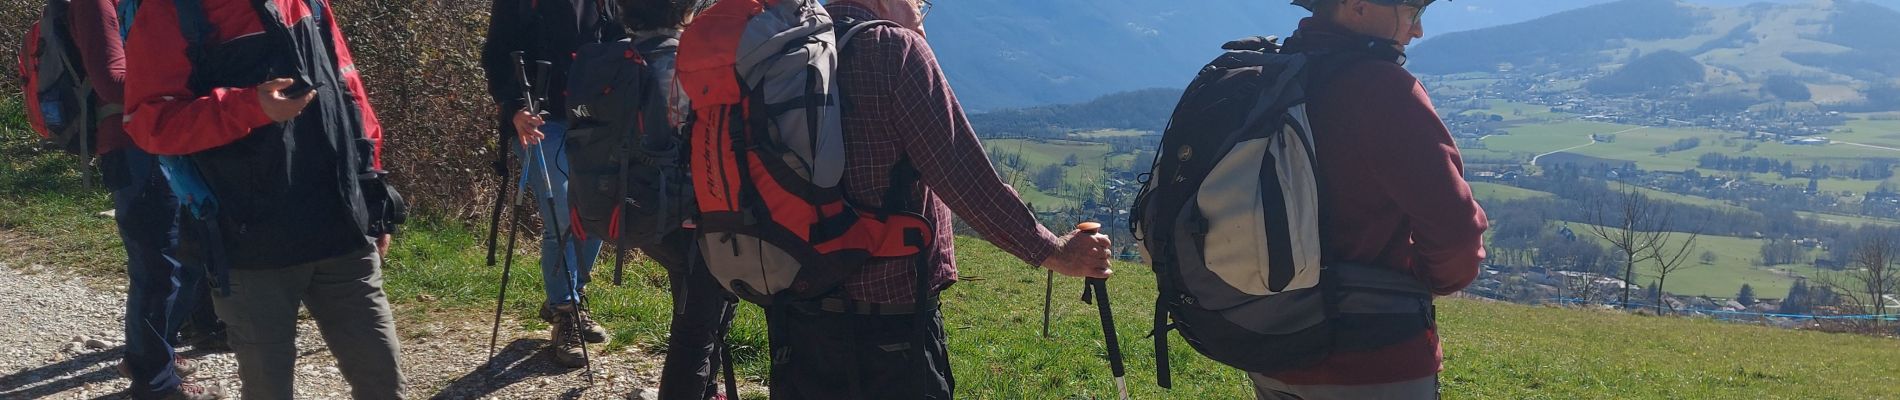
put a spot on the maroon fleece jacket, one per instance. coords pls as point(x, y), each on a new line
point(1398, 199)
point(96, 32)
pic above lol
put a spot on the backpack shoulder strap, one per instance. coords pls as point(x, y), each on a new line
point(194, 24)
point(192, 21)
point(848, 28)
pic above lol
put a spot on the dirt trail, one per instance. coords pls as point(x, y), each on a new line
point(43, 309)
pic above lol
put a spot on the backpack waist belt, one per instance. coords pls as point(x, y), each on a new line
point(849, 306)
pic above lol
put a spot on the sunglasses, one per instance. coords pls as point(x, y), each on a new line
point(923, 9)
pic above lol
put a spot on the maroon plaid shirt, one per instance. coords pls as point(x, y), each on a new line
point(901, 105)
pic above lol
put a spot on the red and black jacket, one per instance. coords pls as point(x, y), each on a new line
point(288, 193)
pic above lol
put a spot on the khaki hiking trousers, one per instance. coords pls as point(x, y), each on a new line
point(345, 296)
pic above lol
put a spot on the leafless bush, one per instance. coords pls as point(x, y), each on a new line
point(420, 60)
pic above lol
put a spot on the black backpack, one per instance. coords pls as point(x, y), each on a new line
point(628, 182)
point(1230, 218)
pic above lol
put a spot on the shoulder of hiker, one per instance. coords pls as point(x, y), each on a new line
point(1383, 80)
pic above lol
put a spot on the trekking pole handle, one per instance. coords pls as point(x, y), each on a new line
point(541, 68)
point(1100, 288)
point(521, 79)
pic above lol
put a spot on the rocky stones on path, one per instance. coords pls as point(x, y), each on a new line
point(96, 344)
point(646, 394)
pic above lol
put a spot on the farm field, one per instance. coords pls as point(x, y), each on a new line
point(1734, 265)
point(1486, 191)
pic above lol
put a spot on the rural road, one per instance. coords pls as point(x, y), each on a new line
point(1593, 141)
point(51, 315)
point(1866, 145)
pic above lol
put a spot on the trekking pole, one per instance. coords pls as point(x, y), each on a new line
point(1048, 291)
point(514, 227)
point(547, 200)
point(1099, 287)
point(514, 223)
point(501, 195)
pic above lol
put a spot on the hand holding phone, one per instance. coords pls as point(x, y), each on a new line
point(281, 102)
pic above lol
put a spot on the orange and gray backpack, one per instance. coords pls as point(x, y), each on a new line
point(768, 157)
point(60, 104)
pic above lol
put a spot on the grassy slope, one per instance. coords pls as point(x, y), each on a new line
point(1493, 350)
point(1502, 351)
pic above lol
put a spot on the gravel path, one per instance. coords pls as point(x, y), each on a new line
point(47, 316)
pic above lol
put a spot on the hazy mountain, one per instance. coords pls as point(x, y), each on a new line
point(1141, 110)
point(1016, 53)
point(1657, 70)
point(1841, 48)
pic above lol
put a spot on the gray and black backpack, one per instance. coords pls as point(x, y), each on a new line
point(625, 147)
point(1230, 219)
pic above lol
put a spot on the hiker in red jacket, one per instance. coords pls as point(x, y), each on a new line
point(160, 292)
point(263, 100)
point(1409, 207)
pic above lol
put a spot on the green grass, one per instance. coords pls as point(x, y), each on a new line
point(1864, 129)
point(1638, 146)
point(1504, 351)
point(1850, 220)
point(43, 196)
point(1089, 172)
point(1513, 111)
point(1110, 133)
point(1697, 201)
point(1734, 265)
point(1486, 191)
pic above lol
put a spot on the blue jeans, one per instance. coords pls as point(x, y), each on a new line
point(581, 253)
point(147, 213)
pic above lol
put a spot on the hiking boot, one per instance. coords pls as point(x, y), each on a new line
point(590, 331)
point(179, 366)
point(566, 343)
point(192, 391)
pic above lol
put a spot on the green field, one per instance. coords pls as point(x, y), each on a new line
point(1089, 172)
point(1486, 192)
point(1501, 351)
point(1513, 111)
point(1850, 220)
point(1110, 133)
point(1867, 130)
point(1638, 144)
point(1734, 265)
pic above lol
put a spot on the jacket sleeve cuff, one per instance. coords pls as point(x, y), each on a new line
point(1038, 252)
point(245, 107)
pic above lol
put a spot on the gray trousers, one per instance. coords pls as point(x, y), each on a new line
point(1271, 389)
point(344, 294)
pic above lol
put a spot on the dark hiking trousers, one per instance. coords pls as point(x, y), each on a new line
point(820, 355)
point(702, 313)
point(146, 213)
